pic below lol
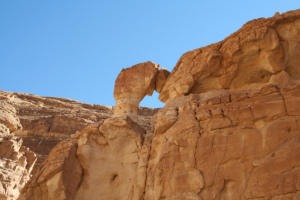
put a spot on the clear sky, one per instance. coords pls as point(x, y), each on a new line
point(76, 48)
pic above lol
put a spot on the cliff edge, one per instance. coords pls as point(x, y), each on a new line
point(230, 129)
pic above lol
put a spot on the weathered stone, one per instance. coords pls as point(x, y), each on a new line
point(48, 120)
point(116, 168)
point(248, 57)
point(161, 79)
point(16, 164)
point(16, 161)
point(58, 177)
point(229, 131)
point(258, 161)
point(132, 85)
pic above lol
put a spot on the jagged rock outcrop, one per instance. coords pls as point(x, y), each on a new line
point(106, 160)
point(48, 120)
point(227, 145)
point(16, 164)
point(215, 145)
point(230, 129)
point(16, 161)
point(30, 126)
point(250, 56)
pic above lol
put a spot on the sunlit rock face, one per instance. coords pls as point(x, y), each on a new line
point(134, 83)
point(30, 126)
point(230, 129)
point(16, 161)
point(261, 49)
point(227, 145)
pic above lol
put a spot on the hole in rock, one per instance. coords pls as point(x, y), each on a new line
point(113, 177)
point(152, 101)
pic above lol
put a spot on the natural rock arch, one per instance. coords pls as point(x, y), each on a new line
point(134, 83)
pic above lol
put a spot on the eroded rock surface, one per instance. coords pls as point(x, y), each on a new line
point(59, 175)
point(40, 123)
point(230, 129)
point(16, 164)
point(16, 161)
point(216, 145)
point(104, 161)
point(227, 145)
point(46, 121)
point(250, 56)
point(134, 83)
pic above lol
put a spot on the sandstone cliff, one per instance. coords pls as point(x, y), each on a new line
point(261, 49)
point(230, 129)
point(30, 123)
point(16, 161)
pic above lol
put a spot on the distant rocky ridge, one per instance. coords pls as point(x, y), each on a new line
point(38, 123)
point(230, 129)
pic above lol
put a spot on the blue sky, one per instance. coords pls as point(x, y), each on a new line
point(75, 48)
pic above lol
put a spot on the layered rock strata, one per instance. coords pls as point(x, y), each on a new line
point(16, 161)
point(16, 164)
point(227, 145)
point(229, 131)
point(46, 121)
point(250, 56)
point(31, 126)
point(215, 145)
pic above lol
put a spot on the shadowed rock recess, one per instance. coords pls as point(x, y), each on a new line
point(230, 129)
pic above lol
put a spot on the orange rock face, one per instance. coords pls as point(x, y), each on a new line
point(227, 145)
point(16, 161)
point(104, 161)
point(230, 129)
point(134, 83)
point(42, 122)
point(30, 126)
point(250, 56)
point(216, 145)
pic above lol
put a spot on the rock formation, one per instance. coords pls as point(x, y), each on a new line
point(227, 145)
point(252, 55)
point(16, 161)
point(45, 121)
point(230, 129)
point(134, 83)
point(40, 123)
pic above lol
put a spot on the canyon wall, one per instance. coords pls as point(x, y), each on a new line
point(31, 126)
point(230, 129)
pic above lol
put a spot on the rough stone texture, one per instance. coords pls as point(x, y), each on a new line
point(16, 161)
point(104, 161)
point(250, 56)
point(227, 145)
point(230, 129)
point(58, 177)
point(114, 159)
point(40, 123)
point(220, 145)
point(132, 85)
point(48, 120)
point(161, 79)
